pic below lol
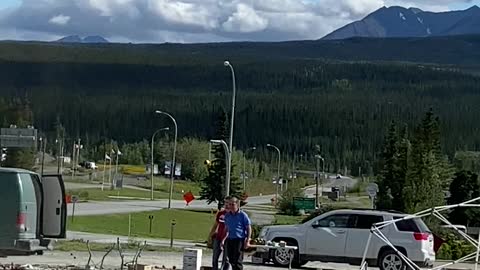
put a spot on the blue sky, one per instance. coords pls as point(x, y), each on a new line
point(9, 3)
point(463, 5)
point(192, 20)
point(455, 4)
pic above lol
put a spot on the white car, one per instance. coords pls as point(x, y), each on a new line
point(341, 236)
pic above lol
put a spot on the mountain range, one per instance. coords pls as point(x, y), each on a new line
point(398, 21)
point(88, 39)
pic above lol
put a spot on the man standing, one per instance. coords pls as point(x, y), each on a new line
point(218, 234)
point(239, 231)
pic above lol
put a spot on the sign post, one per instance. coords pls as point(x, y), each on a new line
point(74, 201)
point(306, 204)
point(151, 217)
point(172, 228)
point(372, 190)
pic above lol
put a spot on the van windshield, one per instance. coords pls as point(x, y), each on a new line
point(4, 176)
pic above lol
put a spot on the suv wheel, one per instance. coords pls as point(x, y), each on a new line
point(282, 257)
point(390, 260)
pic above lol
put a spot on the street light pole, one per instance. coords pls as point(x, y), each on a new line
point(43, 154)
point(318, 158)
point(243, 175)
point(172, 169)
point(227, 64)
point(151, 161)
point(323, 173)
point(227, 169)
point(278, 169)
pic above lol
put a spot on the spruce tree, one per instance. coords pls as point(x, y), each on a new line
point(387, 174)
point(429, 172)
point(403, 159)
point(464, 187)
point(213, 187)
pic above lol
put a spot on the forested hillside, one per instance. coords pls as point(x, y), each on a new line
point(109, 92)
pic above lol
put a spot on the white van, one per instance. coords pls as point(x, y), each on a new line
point(33, 211)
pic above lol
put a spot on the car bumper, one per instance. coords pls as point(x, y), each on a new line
point(423, 259)
point(31, 245)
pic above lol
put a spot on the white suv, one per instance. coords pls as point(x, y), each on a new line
point(341, 236)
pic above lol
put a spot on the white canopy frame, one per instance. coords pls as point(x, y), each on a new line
point(436, 212)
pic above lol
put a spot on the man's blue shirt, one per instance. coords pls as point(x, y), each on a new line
point(237, 224)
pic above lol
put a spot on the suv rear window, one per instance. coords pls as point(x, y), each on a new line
point(411, 225)
point(366, 221)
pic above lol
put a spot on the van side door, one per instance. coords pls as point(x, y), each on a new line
point(54, 214)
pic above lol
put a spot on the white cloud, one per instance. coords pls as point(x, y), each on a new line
point(192, 20)
point(185, 13)
point(244, 20)
point(59, 19)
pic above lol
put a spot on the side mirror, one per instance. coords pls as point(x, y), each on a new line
point(316, 225)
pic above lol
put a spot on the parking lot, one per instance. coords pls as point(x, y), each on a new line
point(160, 260)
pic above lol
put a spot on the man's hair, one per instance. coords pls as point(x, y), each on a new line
point(231, 198)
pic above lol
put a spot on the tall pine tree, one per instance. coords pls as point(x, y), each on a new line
point(429, 173)
point(387, 175)
point(213, 186)
point(403, 159)
point(465, 186)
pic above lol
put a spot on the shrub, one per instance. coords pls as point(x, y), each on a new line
point(83, 195)
point(256, 230)
point(454, 248)
point(285, 203)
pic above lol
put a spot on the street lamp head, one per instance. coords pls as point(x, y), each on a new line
point(226, 63)
point(269, 145)
point(215, 141)
point(166, 128)
point(158, 111)
point(254, 148)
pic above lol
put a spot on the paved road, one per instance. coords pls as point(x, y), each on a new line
point(116, 207)
point(330, 182)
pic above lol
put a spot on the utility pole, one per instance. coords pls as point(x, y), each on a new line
point(73, 159)
point(43, 154)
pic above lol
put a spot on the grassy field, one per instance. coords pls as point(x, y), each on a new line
point(162, 184)
point(80, 245)
point(256, 187)
point(133, 169)
point(286, 220)
point(352, 202)
point(190, 225)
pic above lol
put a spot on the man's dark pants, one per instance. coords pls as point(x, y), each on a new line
point(217, 250)
point(235, 247)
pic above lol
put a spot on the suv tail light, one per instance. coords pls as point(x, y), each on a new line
point(421, 236)
point(21, 220)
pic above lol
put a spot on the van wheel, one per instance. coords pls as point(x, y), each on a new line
point(390, 260)
point(39, 252)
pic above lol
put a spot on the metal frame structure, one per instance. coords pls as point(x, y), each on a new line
point(436, 212)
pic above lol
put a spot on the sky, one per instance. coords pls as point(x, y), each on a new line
point(188, 21)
